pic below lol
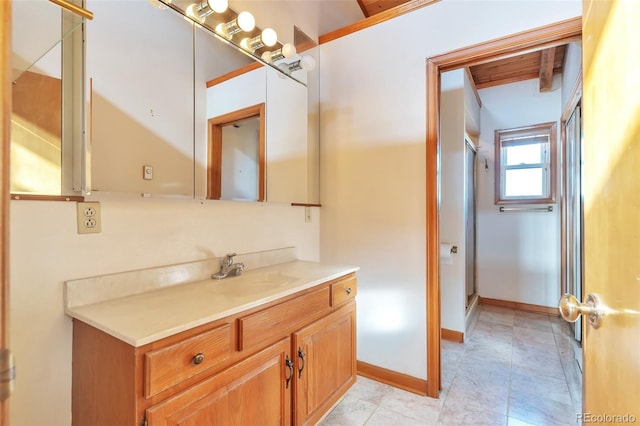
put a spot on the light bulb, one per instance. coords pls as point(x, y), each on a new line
point(246, 21)
point(269, 37)
point(245, 43)
point(218, 6)
point(266, 56)
point(307, 63)
point(284, 67)
point(288, 50)
point(192, 13)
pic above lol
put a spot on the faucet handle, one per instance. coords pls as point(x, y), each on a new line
point(228, 259)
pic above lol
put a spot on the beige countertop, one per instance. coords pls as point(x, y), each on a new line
point(142, 318)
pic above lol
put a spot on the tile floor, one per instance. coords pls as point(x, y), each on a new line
point(515, 368)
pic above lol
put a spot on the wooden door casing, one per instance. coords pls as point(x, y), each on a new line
point(5, 126)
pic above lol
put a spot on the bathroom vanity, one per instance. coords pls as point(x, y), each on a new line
point(274, 346)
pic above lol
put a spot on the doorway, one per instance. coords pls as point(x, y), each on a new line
point(470, 155)
point(548, 36)
point(573, 212)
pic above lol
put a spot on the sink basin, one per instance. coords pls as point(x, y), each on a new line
point(254, 283)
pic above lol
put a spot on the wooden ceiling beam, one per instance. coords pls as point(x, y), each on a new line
point(547, 61)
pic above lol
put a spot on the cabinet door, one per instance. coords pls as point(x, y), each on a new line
point(251, 392)
point(325, 354)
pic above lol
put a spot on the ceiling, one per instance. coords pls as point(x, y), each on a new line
point(371, 7)
point(543, 64)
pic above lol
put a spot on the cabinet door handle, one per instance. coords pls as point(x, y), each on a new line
point(301, 355)
point(289, 365)
point(348, 290)
point(198, 358)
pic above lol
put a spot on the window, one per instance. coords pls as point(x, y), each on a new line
point(525, 164)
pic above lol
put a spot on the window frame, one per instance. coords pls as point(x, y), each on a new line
point(544, 129)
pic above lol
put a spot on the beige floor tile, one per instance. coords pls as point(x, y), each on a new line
point(515, 368)
point(459, 413)
point(540, 411)
point(386, 417)
point(350, 412)
point(418, 407)
point(539, 386)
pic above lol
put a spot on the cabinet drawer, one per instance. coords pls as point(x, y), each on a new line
point(276, 322)
point(168, 366)
point(344, 289)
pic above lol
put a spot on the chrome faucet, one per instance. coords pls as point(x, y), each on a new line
point(228, 267)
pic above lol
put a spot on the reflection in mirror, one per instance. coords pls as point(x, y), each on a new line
point(291, 151)
point(45, 56)
point(239, 29)
point(141, 67)
point(287, 136)
point(236, 161)
point(213, 59)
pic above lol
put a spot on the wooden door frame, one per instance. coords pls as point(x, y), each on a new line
point(214, 162)
point(5, 113)
point(527, 41)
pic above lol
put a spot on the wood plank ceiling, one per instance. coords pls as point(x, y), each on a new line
point(372, 7)
point(543, 64)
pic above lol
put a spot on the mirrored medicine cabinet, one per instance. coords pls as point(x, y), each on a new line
point(155, 88)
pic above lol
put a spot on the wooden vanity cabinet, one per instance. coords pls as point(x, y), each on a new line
point(325, 363)
point(254, 391)
point(286, 362)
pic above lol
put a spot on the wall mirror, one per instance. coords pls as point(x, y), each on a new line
point(141, 100)
point(163, 106)
point(46, 128)
point(147, 107)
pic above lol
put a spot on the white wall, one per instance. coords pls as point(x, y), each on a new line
point(136, 233)
point(452, 214)
point(373, 103)
point(571, 71)
point(518, 253)
point(240, 175)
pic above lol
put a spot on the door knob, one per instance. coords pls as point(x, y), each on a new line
point(571, 309)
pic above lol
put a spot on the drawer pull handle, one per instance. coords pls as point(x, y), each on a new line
point(198, 359)
point(348, 290)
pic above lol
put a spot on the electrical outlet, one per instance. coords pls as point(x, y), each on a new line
point(89, 218)
point(147, 172)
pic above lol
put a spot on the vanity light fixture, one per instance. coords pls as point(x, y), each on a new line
point(306, 63)
point(268, 37)
point(243, 22)
point(288, 50)
point(158, 4)
point(199, 11)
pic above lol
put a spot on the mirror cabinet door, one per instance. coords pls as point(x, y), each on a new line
point(287, 139)
point(43, 83)
point(140, 64)
point(149, 107)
